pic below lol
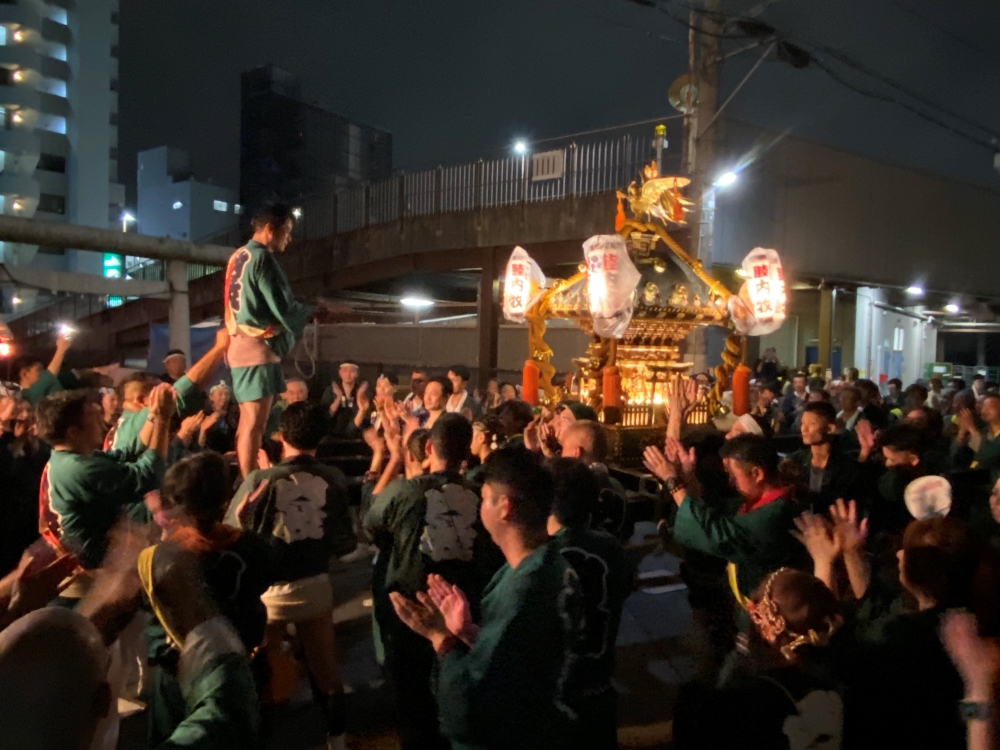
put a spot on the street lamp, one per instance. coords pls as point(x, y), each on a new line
point(952, 308)
point(520, 147)
point(726, 179)
point(127, 219)
point(915, 291)
point(415, 302)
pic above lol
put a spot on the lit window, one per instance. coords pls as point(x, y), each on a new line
point(52, 123)
point(177, 205)
point(220, 206)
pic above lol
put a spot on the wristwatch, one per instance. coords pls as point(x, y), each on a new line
point(974, 711)
point(674, 484)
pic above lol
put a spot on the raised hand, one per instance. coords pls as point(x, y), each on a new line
point(976, 659)
point(658, 464)
point(263, 460)
point(362, 398)
point(817, 539)
point(690, 393)
point(849, 534)
point(531, 437)
point(866, 438)
point(678, 456)
point(190, 426)
point(966, 423)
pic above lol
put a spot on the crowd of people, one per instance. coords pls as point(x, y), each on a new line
point(839, 546)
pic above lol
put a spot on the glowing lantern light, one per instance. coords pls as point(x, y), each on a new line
point(522, 283)
point(4, 349)
point(611, 281)
point(759, 308)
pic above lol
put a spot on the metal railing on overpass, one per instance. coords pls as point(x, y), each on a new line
point(549, 174)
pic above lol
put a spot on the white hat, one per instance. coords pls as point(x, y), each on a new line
point(928, 497)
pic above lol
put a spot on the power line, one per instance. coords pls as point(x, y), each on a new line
point(940, 29)
point(991, 145)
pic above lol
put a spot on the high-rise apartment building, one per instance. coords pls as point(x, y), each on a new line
point(297, 151)
point(59, 135)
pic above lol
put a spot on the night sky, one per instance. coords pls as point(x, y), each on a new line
point(457, 79)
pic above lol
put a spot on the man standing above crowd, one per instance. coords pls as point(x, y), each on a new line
point(263, 320)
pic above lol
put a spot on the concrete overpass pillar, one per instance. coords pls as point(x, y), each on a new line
point(180, 307)
point(827, 308)
point(488, 318)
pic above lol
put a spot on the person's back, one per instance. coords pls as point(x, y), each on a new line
point(605, 581)
point(432, 521)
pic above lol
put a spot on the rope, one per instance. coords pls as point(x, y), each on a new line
point(309, 353)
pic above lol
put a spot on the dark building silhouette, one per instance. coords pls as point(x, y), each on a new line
point(296, 151)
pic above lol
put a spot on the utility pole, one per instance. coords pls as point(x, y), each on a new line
point(704, 62)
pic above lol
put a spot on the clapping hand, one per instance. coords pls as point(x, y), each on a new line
point(454, 607)
point(848, 533)
point(677, 455)
point(866, 438)
point(658, 464)
point(422, 617)
point(362, 397)
point(817, 538)
point(966, 423)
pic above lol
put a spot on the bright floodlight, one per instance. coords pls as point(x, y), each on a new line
point(951, 308)
point(521, 147)
point(726, 179)
point(16, 300)
point(416, 303)
point(127, 217)
point(297, 213)
point(915, 291)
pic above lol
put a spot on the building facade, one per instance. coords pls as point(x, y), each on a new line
point(59, 140)
point(171, 203)
point(297, 151)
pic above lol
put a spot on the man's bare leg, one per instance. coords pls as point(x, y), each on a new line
point(250, 432)
point(318, 643)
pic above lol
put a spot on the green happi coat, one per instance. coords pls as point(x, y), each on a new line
point(510, 689)
point(126, 440)
point(757, 542)
point(83, 496)
point(260, 309)
point(46, 385)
